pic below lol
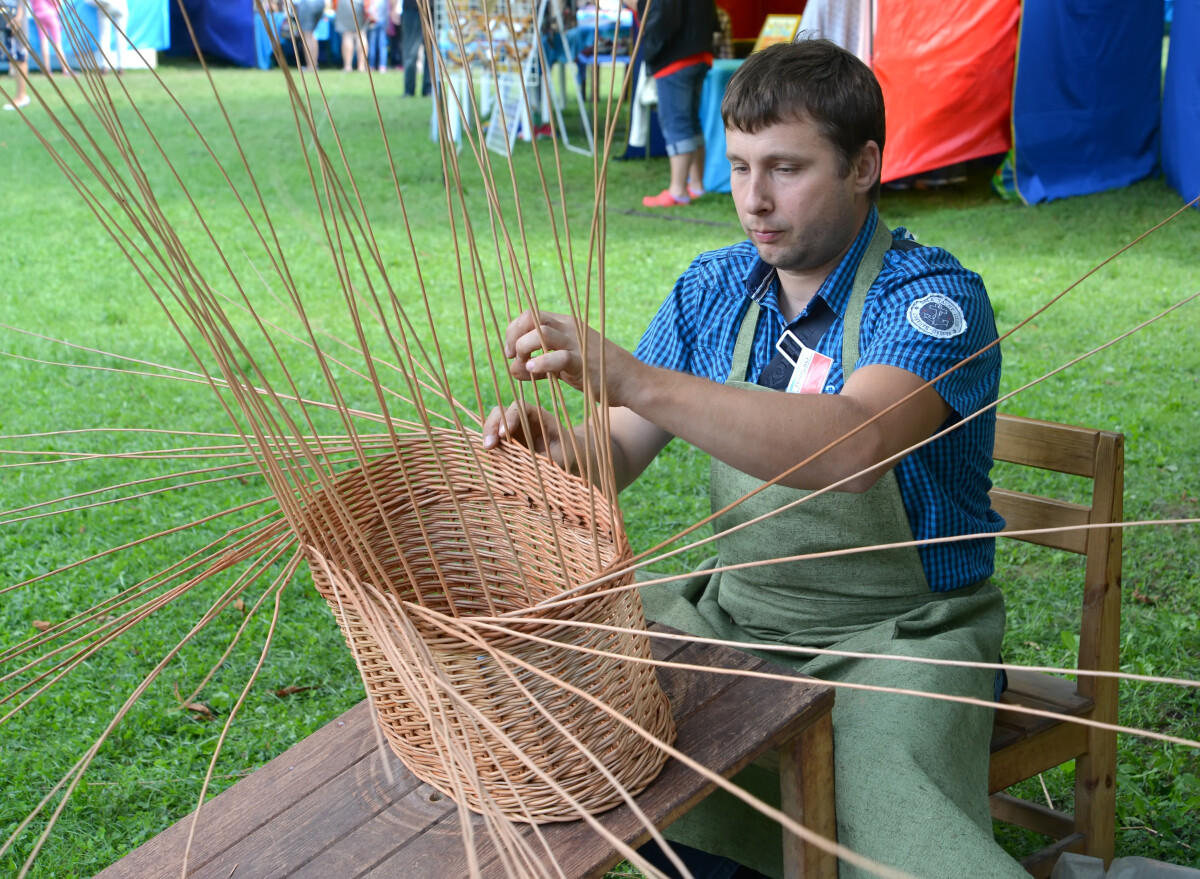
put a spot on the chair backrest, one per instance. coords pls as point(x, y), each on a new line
point(1096, 455)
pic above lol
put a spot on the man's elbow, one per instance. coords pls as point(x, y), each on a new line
point(864, 465)
point(852, 473)
point(862, 481)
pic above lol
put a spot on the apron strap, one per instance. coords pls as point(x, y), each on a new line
point(744, 344)
point(868, 270)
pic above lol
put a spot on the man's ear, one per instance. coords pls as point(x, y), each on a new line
point(867, 166)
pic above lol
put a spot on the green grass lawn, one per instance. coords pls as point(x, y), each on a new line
point(64, 278)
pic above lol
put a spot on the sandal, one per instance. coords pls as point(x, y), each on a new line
point(664, 200)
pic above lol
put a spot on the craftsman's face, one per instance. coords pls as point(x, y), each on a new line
point(796, 206)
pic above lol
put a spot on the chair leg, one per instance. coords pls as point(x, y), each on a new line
point(1096, 795)
point(806, 792)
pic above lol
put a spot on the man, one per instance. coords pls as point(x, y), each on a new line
point(677, 40)
point(867, 319)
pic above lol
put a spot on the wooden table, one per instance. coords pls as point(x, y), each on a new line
point(325, 810)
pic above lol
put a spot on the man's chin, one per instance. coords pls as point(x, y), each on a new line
point(773, 255)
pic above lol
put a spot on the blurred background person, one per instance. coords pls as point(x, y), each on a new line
point(412, 32)
point(377, 34)
point(395, 44)
point(45, 13)
point(350, 19)
point(308, 15)
point(13, 22)
point(677, 43)
point(111, 15)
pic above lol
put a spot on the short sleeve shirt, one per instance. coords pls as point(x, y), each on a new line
point(925, 313)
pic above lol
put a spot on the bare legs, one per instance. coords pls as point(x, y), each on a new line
point(686, 167)
point(680, 165)
point(50, 40)
point(348, 45)
point(308, 44)
point(20, 70)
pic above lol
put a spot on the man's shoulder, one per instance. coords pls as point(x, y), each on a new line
point(910, 256)
point(913, 265)
point(724, 265)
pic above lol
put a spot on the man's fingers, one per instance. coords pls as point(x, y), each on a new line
point(558, 363)
point(543, 337)
point(523, 324)
point(493, 428)
point(502, 424)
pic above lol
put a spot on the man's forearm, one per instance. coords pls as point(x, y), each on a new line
point(764, 433)
point(586, 453)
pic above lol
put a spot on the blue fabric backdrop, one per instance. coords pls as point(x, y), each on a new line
point(716, 166)
point(1086, 100)
point(149, 22)
point(224, 28)
point(1181, 103)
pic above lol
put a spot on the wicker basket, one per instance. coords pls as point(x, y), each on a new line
point(453, 522)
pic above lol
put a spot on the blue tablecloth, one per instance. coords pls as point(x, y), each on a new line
point(716, 166)
point(264, 56)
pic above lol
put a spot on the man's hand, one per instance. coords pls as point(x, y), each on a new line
point(543, 344)
point(543, 434)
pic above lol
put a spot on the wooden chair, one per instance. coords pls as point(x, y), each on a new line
point(1024, 745)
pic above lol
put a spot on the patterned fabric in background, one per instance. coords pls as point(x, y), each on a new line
point(723, 38)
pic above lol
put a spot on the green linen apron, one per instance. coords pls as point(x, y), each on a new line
point(911, 773)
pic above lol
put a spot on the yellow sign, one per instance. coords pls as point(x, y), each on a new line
point(777, 29)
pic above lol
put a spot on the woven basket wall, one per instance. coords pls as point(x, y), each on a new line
point(489, 504)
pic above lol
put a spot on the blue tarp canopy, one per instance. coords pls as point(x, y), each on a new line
point(1181, 103)
point(1086, 98)
point(224, 28)
point(233, 30)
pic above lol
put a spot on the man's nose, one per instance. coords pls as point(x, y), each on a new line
point(756, 197)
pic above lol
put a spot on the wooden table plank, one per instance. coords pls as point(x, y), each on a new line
point(442, 851)
point(354, 798)
point(756, 714)
point(379, 839)
point(256, 800)
point(324, 810)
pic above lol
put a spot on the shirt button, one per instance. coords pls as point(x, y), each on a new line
point(830, 389)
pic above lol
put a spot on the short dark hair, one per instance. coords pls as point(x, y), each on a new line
point(809, 80)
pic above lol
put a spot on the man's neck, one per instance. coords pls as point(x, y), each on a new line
point(797, 287)
point(793, 302)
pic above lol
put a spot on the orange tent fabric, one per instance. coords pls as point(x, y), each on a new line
point(946, 68)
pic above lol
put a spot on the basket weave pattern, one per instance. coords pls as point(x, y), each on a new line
point(473, 510)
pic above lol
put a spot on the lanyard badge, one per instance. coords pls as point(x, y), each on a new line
point(809, 368)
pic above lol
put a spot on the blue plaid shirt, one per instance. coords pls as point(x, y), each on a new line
point(945, 484)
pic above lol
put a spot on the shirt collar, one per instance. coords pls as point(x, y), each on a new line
point(761, 279)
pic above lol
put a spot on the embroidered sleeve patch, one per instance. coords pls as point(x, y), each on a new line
point(938, 316)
